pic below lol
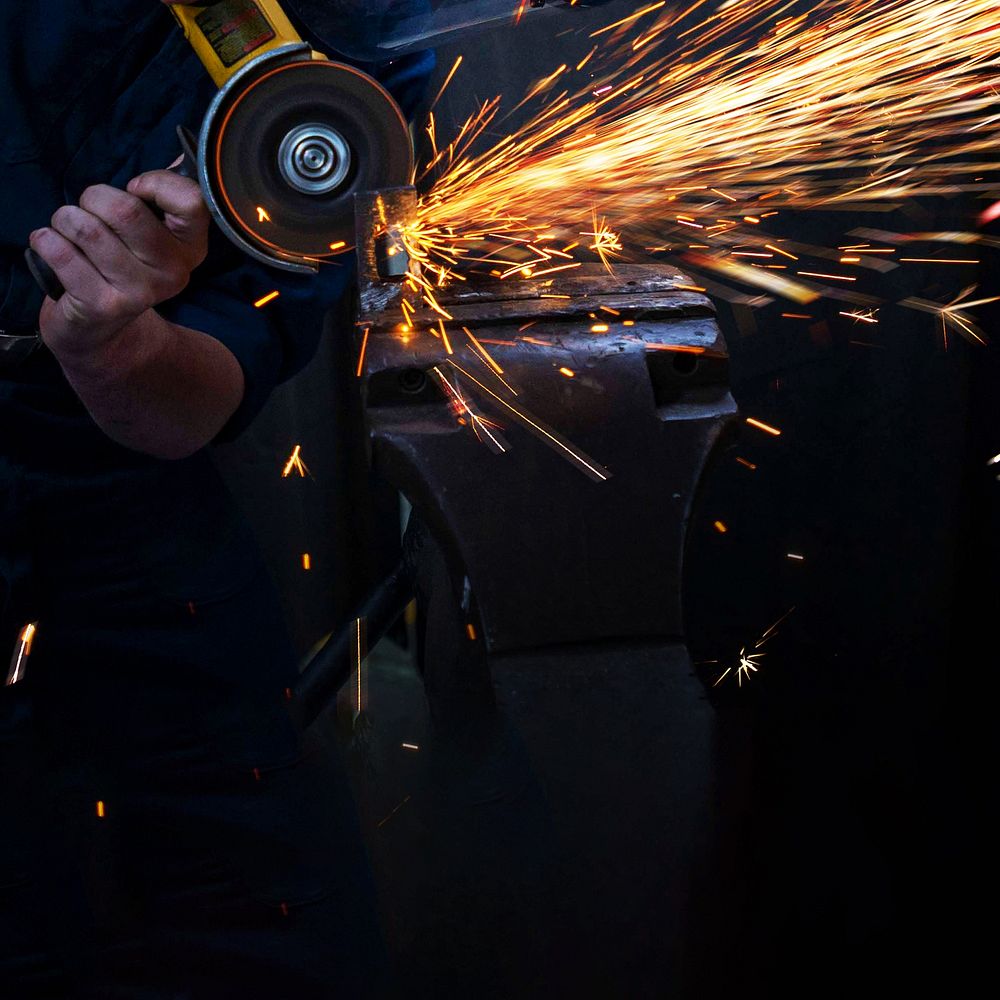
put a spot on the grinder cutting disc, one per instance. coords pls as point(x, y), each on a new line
point(288, 149)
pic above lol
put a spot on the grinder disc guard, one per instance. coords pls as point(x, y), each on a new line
point(286, 149)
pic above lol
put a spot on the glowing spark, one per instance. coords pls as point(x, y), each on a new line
point(295, 464)
point(306, 561)
point(749, 663)
point(393, 813)
point(990, 215)
point(19, 662)
point(599, 328)
point(760, 425)
point(449, 78)
point(829, 277)
point(470, 631)
point(720, 527)
point(410, 746)
point(626, 20)
point(360, 652)
point(796, 556)
point(784, 253)
point(444, 337)
point(262, 215)
point(568, 372)
point(100, 809)
point(482, 350)
point(339, 245)
point(862, 317)
point(270, 297)
point(362, 352)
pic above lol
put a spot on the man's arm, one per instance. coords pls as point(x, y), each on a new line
point(150, 385)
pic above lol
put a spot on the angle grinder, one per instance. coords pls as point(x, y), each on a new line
point(288, 139)
point(292, 136)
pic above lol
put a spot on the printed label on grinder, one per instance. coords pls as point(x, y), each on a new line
point(234, 29)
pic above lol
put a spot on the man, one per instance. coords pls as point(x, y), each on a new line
point(163, 829)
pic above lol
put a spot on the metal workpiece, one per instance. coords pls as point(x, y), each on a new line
point(379, 218)
point(607, 392)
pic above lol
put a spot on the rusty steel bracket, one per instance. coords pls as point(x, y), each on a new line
point(554, 443)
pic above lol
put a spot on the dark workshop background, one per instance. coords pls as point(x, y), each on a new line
point(836, 800)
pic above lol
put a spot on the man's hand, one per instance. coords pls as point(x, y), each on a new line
point(149, 384)
point(117, 260)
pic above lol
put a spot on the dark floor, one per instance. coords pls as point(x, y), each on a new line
point(562, 856)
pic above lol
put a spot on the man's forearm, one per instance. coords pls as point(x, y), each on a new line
point(158, 388)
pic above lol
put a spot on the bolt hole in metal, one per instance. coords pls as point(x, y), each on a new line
point(685, 364)
point(314, 159)
point(412, 380)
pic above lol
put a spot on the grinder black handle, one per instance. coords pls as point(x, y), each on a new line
point(46, 278)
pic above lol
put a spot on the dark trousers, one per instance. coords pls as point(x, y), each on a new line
point(164, 829)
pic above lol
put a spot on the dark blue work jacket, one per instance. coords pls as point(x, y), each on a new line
point(90, 532)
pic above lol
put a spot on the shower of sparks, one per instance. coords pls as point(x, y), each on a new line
point(295, 464)
point(749, 663)
point(703, 120)
point(684, 130)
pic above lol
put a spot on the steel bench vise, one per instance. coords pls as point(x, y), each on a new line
point(551, 444)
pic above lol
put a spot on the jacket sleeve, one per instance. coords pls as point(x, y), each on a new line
point(271, 342)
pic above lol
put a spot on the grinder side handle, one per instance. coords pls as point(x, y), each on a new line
point(46, 278)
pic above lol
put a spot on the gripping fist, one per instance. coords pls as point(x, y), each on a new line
point(117, 259)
